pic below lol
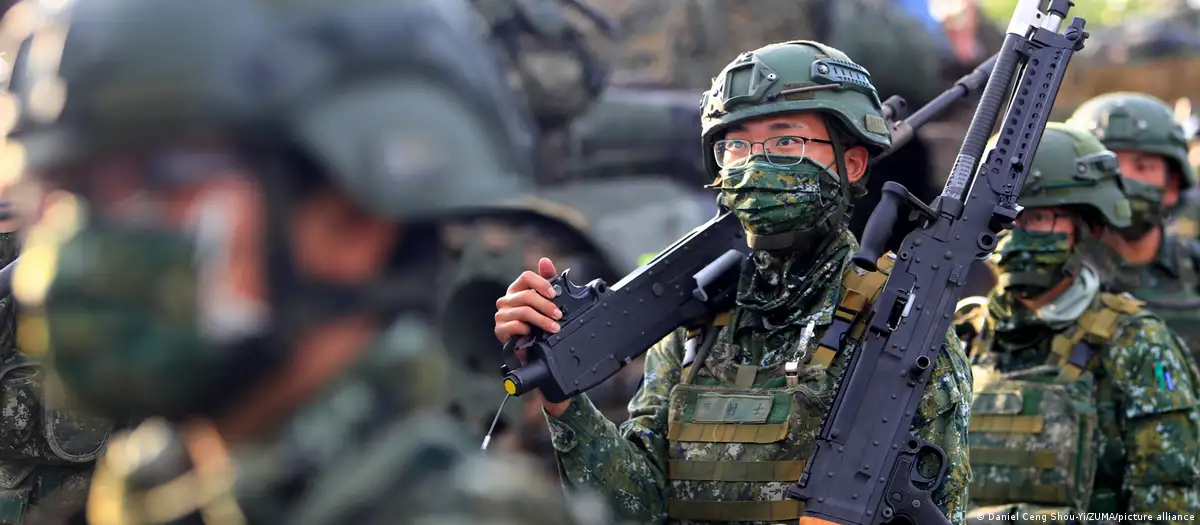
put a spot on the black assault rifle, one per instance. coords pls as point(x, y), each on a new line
point(864, 470)
point(604, 329)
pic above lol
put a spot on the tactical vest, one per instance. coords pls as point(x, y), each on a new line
point(738, 436)
point(1034, 433)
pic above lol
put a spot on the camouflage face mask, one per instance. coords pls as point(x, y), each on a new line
point(123, 315)
point(769, 199)
point(1146, 203)
point(1033, 262)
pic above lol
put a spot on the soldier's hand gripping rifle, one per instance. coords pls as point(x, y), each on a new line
point(865, 466)
point(603, 329)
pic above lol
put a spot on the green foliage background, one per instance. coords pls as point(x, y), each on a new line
point(1096, 12)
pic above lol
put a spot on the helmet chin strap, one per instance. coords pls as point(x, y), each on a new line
point(817, 236)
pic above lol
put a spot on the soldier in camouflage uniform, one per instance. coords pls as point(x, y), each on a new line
point(252, 179)
point(1159, 259)
point(1084, 400)
point(719, 429)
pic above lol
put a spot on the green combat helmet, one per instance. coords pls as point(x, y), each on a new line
point(1137, 122)
point(401, 106)
point(374, 118)
point(1071, 169)
point(799, 76)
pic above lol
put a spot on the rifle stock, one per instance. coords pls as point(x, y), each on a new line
point(864, 467)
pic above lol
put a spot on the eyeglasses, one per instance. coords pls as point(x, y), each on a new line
point(778, 151)
point(1043, 221)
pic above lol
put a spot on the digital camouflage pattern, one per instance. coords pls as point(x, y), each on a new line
point(670, 462)
point(1168, 284)
point(1032, 263)
point(37, 474)
point(769, 200)
point(1122, 436)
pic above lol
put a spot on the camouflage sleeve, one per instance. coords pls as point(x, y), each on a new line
point(627, 465)
point(942, 420)
point(1160, 423)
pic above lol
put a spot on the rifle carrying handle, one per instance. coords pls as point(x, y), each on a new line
point(879, 226)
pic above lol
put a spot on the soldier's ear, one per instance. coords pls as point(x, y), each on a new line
point(856, 159)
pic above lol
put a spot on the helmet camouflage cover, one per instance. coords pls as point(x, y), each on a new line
point(401, 103)
point(1071, 168)
point(789, 77)
point(1137, 122)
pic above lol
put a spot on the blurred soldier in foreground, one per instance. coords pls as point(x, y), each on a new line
point(255, 178)
point(789, 149)
point(1156, 265)
point(47, 449)
point(1084, 401)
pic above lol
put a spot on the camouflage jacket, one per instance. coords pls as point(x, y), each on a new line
point(1170, 287)
point(1144, 449)
point(635, 465)
point(46, 454)
point(361, 451)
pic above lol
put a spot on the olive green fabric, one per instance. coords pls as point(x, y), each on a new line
point(794, 76)
point(1137, 122)
point(1073, 169)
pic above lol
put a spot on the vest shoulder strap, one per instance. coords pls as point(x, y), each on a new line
point(859, 290)
point(1075, 348)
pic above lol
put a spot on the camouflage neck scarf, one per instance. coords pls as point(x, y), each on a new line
point(1033, 263)
point(770, 200)
point(781, 287)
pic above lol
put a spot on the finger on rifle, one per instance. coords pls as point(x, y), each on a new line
point(532, 281)
point(546, 268)
point(509, 329)
point(532, 299)
point(526, 315)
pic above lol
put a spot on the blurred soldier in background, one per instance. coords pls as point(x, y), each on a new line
point(1156, 266)
point(618, 178)
point(254, 179)
point(1084, 401)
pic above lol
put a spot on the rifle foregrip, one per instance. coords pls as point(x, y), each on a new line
point(879, 226)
